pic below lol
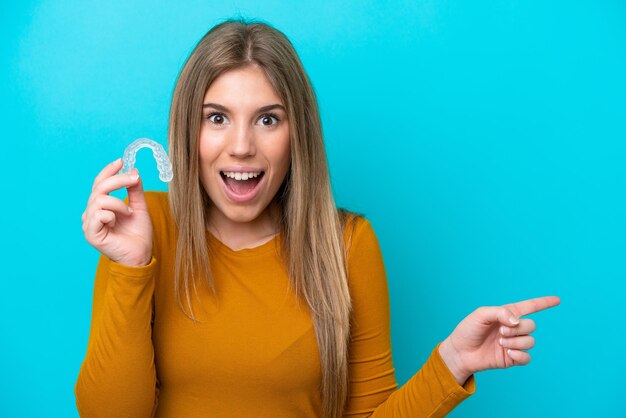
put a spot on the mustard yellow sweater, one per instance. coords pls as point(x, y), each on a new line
point(254, 352)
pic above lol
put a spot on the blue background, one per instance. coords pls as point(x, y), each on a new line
point(485, 141)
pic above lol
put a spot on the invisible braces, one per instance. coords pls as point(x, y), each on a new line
point(163, 162)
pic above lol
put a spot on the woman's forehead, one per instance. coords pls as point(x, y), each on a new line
point(242, 88)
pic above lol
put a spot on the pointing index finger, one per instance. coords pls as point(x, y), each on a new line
point(530, 306)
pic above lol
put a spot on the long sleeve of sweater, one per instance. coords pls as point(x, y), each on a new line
point(373, 390)
point(118, 377)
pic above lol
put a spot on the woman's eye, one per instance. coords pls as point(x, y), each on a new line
point(217, 118)
point(268, 120)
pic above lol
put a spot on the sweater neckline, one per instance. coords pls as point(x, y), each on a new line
point(270, 245)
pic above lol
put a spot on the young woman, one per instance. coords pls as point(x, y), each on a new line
point(244, 291)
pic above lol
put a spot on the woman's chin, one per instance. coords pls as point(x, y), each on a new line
point(240, 214)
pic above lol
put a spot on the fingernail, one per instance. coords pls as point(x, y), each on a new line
point(514, 320)
point(502, 342)
point(504, 330)
point(135, 175)
point(508, 351)
point(130, 210)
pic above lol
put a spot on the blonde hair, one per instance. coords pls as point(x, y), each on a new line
point(310, 224)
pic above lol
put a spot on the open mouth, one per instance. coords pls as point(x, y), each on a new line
point(242, 183)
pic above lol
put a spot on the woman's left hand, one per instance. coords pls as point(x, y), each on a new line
point(493, 337)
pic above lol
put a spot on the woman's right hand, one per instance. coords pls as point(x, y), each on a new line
point(119, 231)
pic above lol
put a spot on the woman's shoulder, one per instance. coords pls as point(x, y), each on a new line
point(366, 270)
point(357, 230)
point(164, 226)
point(158, 203)
point(159, 209)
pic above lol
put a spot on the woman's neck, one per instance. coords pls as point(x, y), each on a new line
point(240, 235)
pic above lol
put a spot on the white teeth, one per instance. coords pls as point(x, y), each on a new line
point(241, 176)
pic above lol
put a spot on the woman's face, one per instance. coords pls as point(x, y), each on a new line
point(244, 145)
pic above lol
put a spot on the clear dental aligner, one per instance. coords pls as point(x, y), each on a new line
point(163, 162)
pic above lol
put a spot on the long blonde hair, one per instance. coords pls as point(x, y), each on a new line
point(310, 224)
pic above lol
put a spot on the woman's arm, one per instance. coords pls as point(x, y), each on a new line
point(118, 377)
point(431, 392)
point(490, 337)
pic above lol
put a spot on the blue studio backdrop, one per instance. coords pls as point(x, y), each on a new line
point(484, 140)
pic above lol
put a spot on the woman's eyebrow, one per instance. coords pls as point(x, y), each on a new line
point(261, 109)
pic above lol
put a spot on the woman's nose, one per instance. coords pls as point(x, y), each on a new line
point(241, 142)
